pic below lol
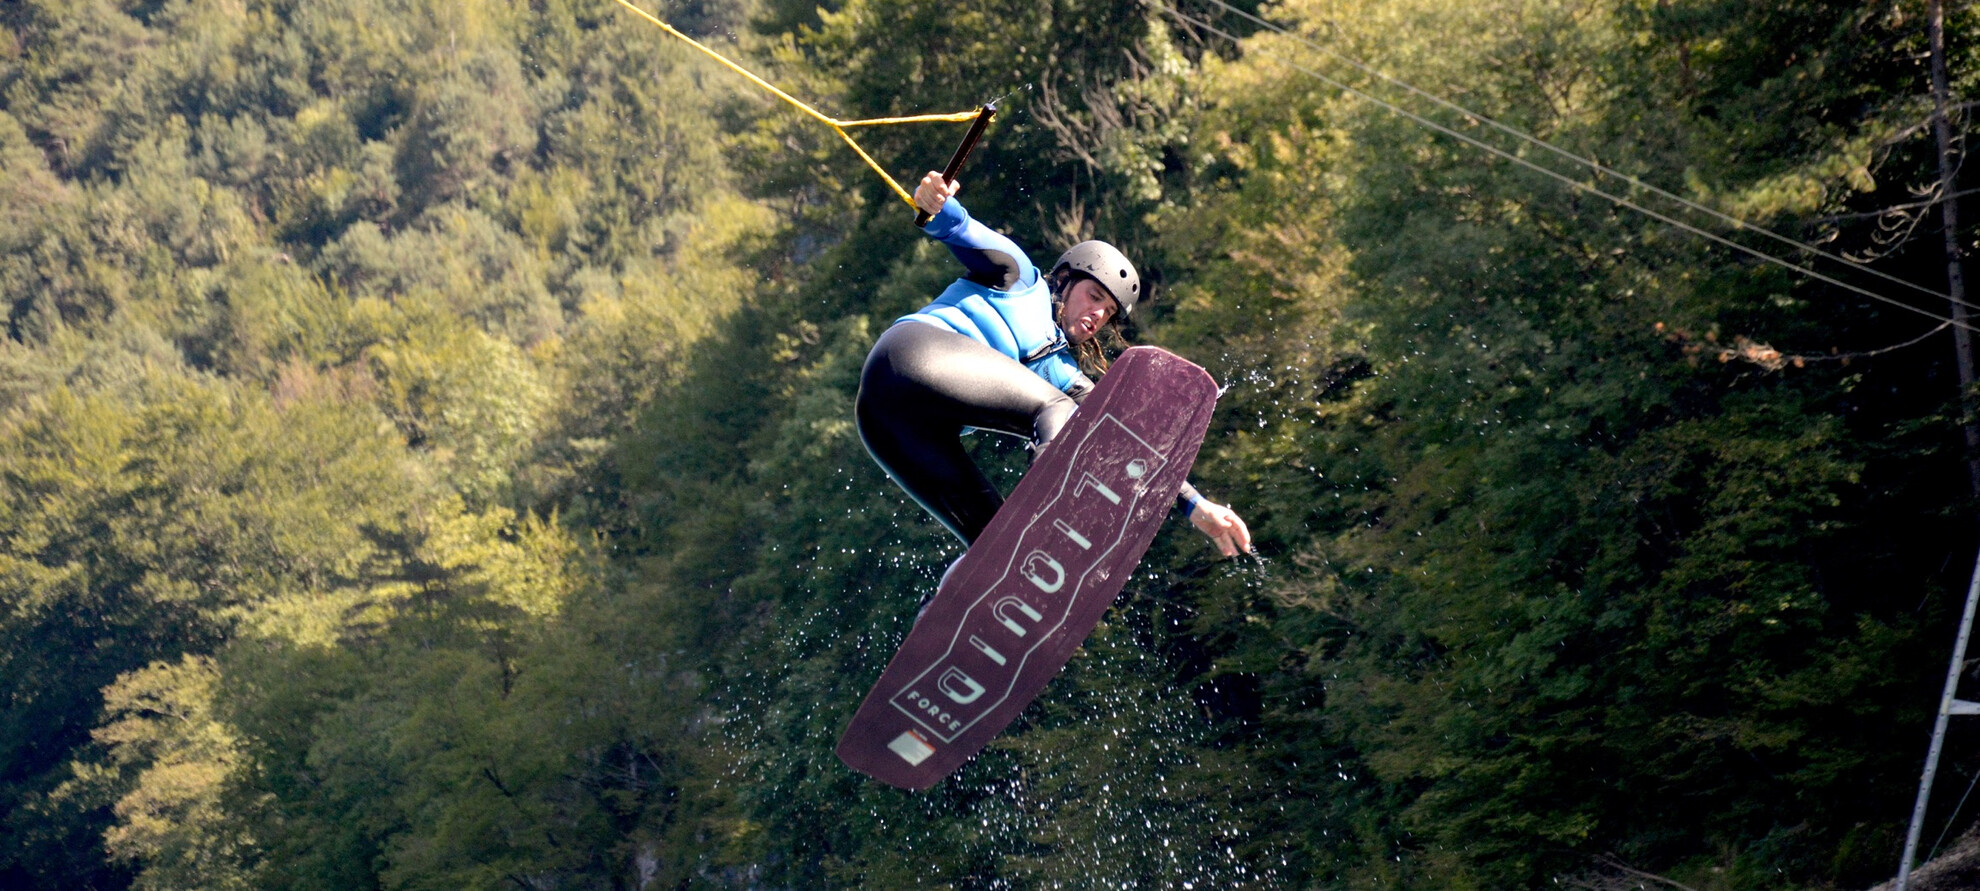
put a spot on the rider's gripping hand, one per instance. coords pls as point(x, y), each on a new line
point(933, 191)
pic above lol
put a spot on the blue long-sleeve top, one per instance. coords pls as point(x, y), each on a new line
point(1001, 302)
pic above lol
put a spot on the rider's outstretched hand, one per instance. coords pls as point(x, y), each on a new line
point(1223, 526)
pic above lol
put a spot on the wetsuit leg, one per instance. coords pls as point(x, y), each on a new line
point(921, 385)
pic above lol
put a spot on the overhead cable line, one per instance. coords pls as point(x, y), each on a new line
point(838, 126)
point(1590, 163)
point(1563, 178)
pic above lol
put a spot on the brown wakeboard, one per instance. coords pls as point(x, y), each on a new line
point(1036, 582)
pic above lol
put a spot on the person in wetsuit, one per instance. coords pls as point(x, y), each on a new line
point(996, 351)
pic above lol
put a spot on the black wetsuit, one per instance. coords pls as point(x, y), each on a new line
point(921, 386)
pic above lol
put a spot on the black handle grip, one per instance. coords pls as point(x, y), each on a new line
point(976, 128)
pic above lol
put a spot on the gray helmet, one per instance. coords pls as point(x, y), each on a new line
point(1108, 266)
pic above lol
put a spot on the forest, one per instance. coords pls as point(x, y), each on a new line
point(427, 455)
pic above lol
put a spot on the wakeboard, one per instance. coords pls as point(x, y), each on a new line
point(1035, 583)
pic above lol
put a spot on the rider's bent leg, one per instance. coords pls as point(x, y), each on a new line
point(921, 385)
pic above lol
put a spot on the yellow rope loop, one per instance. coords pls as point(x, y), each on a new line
point(876, 166)
point(838, 126)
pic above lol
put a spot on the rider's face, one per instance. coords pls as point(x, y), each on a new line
point(1086, 310)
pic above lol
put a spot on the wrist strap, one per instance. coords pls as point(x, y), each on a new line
point(1189, 506)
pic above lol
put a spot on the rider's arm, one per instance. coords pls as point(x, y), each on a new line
point(1219, 522)
point(991, 258)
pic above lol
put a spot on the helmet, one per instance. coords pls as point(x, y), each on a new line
point(1108, 266)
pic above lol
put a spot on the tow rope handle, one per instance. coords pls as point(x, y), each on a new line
point(976, 128)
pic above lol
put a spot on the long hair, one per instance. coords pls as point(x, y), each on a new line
point(1092, 355)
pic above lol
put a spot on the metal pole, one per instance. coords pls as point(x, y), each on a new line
point(1946, 706)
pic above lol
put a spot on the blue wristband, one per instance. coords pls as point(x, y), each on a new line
point(1189, 509)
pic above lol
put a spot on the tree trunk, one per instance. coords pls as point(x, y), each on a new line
point(1949, 213)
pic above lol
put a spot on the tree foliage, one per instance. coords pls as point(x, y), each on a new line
point(427, 458)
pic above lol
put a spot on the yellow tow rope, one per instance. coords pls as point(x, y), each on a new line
point(838, 126)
